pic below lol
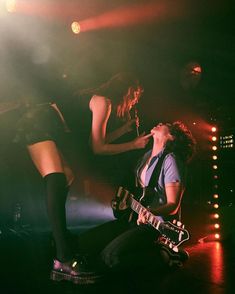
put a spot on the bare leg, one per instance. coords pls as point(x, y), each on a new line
point(47, 158)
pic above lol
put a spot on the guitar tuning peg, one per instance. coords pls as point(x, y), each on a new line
point(183, 226)
point(179, 223)
point(176, 249)
point(114, 204)
point(119, 191)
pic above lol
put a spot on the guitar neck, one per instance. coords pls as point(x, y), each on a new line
point(151, 218)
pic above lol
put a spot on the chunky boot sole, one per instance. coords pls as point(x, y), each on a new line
point(82, 280)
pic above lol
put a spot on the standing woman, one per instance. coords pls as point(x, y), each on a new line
point(40, 127)
point(35, 123)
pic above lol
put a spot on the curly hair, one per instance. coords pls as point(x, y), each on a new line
point(183, 144)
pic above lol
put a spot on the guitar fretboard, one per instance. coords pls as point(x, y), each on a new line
point(151, 218)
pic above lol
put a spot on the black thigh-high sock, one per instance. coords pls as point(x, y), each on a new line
point(57, 190)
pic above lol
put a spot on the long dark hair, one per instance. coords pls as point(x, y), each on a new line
point(183, 144)
point(116, 87)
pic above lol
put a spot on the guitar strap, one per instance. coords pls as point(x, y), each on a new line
point(156, 173)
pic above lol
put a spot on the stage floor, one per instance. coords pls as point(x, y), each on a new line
point(26, 257)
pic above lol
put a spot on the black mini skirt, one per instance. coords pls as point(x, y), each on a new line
point(38, 123)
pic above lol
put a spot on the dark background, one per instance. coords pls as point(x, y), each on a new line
point(41, 57)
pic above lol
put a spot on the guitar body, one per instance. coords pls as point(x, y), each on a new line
point(170, 257)
point(172, 234)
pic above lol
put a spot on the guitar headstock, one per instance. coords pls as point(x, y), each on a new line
point(165, 241)
point(174, 233)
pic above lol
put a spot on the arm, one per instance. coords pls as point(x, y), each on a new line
point(174, 192)
point(101, 110)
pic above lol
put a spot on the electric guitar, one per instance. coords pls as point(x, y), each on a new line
point(172, 234)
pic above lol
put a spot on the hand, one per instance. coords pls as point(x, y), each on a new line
point(141, 141)
point(142, 218)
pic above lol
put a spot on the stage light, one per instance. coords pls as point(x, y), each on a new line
point(76, 28)
point(196, 69)
point(191, 75)
point(11, 5)
point(215, 186)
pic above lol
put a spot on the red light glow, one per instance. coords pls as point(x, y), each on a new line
point(217, 261)
point(196, 70)
point(132, 14)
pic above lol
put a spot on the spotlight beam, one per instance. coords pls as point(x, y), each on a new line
point(131, 15)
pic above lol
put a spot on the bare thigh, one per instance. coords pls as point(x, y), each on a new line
point(48, 159)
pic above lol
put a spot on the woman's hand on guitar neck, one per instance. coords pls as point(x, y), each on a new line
point(142, 217)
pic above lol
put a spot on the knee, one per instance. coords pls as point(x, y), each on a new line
point(70, 179)
point(69, 176)
point(110, 259)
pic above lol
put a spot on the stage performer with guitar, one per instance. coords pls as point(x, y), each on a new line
point(154, 215)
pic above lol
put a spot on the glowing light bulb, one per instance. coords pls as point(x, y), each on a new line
point(75, 26)
point(11, 5)
point(214, 138)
